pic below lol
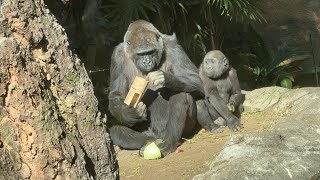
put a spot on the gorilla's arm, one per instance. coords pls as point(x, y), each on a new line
point(236, 97)
point(119, 88)
point(184, 74)
point(127, 115)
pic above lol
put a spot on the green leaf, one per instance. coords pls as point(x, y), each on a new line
point(183, 8)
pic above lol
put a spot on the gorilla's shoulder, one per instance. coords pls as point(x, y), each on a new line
point(118, 52)
point(233, 70)
point(118, 49)
point(170, 40)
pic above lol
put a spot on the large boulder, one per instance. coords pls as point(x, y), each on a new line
point(291, 150)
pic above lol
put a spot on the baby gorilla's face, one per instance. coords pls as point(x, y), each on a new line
point(215, 64)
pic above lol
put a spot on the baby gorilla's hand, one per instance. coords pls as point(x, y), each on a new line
point(234, 123)
point(156, 78)
point(231, 107)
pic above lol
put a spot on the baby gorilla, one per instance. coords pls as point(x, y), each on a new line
point(222, 91)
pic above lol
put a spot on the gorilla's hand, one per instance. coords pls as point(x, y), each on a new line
point(141, 110)
point(231, 107)
point(234, 123)
point(139, 113)
point(157, 78)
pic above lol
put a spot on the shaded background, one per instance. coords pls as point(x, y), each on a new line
point(269, 42)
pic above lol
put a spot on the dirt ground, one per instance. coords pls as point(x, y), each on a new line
point(198, 153)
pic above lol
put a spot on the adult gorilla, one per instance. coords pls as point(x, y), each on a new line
point(167, 109)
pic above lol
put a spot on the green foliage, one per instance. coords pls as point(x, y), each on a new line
point(196, 43)
point(210, 22)
point(250, 56)
point(122, 12)
point(198, 24)
point(280, 71)
point(259, 71)
point(239, 10)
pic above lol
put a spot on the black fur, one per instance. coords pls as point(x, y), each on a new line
point(171, 110)
point(222, 90)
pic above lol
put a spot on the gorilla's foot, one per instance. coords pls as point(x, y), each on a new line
point(217, 129)
point(220, 122)
point(218, 126)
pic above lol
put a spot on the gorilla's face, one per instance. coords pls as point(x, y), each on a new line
point(215, 64)
point(145, 49)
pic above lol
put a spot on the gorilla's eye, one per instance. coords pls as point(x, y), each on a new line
point(225, 60)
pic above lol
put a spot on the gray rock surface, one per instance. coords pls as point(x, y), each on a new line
point(264, 98)
point(291, 150)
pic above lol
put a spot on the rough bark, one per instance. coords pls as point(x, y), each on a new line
point(50, 127)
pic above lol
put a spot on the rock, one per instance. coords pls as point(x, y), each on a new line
point(264, 98)
point(291, 150)
point(300, 100)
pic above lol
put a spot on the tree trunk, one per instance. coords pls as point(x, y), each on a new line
point(50, 127)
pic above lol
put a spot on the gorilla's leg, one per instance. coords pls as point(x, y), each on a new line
point(203, 115)
point(128, 138)
point(191, 120)
point(182, 112)
point(207, 116)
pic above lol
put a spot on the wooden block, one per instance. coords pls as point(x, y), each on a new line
point(136, 91)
